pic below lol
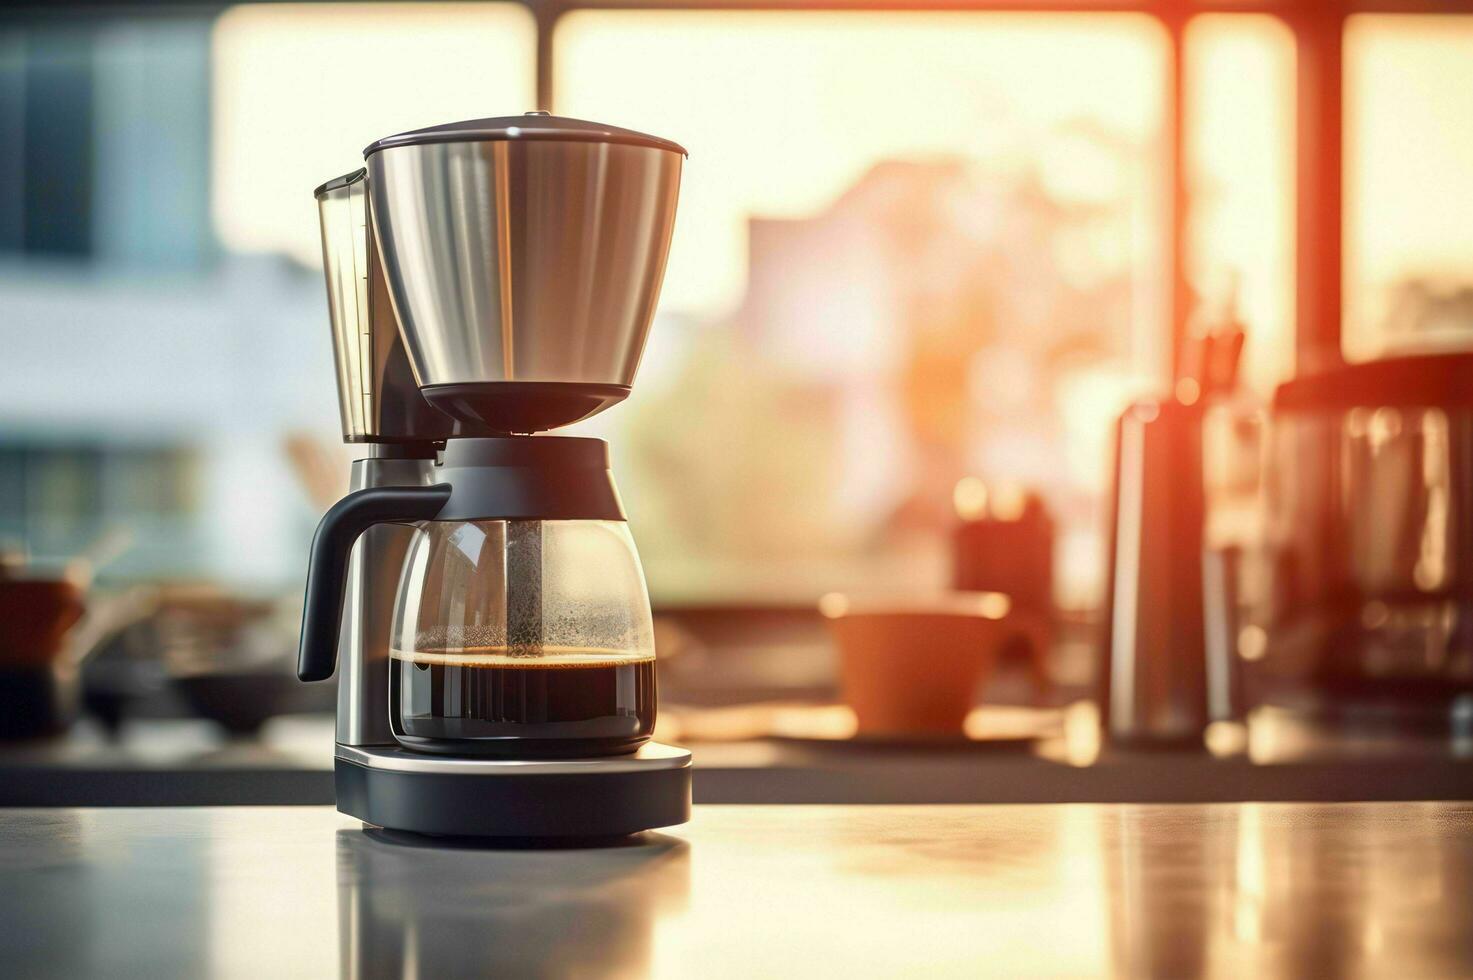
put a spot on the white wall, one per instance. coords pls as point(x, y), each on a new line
point(228, 362)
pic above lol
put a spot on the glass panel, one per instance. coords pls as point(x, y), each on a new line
point(488, 592)
point(301, 89)
point(344, 215)
point(911, 249)
point(1408, 185)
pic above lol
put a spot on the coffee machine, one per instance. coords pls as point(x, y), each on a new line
point(477, 590)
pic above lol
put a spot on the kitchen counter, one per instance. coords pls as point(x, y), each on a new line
point(181, 762)
point(1061, 890)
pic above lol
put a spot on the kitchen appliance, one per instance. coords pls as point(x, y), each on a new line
point(1362, 592)
point(1154, 682)
point(477, 589)
point(1167, 672)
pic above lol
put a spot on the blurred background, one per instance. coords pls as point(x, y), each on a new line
point(924, 259)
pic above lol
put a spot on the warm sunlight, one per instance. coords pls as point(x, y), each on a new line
point(300, 89)
point(785, 111)
point(1240, 159)
point(1408, 179)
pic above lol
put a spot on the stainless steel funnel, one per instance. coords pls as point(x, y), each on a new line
point(524, 257)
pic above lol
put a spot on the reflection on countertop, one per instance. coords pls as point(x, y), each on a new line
point(413, 906)
point(1074, 890)
point(1276, 756)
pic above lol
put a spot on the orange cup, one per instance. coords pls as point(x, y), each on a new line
point(915, 671)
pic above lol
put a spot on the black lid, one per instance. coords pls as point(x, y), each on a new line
point(1425, 381)
point(533, 478)
point(338, 182)
point(529, 126)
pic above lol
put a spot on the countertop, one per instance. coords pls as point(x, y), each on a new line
point(183, 762)
point(1052, 890)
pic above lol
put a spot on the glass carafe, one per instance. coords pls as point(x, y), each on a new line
point(522, 638)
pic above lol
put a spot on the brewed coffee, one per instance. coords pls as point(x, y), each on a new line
point(490, 701)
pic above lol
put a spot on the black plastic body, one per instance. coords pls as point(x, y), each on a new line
point(528, 478)
point(327, 570)
point(1421, 381)
point(589, 804)
point(487, 408)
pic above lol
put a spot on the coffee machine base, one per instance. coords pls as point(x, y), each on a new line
point(389, 787)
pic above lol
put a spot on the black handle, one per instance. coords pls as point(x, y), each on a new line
point(327, 573)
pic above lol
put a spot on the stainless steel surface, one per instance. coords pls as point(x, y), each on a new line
point(190, 762)
point(651, 755)
point(368, 608)
point(377, 396)
point(524, 261)
point(1156, 638)
point(1257, 890)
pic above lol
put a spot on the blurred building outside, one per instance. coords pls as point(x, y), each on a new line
point(931, 334)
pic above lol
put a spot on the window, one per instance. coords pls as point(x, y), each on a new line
point(1240, 169)
point(1408, 185)
point(301, 89)
point(911, 248)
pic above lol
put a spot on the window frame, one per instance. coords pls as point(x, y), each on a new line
point(1318, 28)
